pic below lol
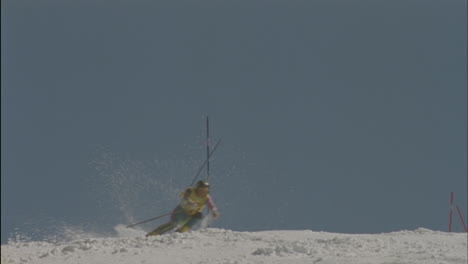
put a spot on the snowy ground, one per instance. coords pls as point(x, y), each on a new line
point(224, 246)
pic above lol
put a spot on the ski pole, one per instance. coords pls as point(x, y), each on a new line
point(204, 163)
point(154, 218)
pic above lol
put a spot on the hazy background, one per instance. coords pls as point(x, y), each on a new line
point(341, 116)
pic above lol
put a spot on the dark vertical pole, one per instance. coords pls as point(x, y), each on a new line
point(207, 148)
point(204, 163)
point(207, 155)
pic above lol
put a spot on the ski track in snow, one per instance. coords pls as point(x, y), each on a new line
point(230, 247)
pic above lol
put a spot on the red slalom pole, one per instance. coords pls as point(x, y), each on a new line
point(451, 212)
point(461, 219)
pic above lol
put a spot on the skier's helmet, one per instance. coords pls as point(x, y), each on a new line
point(203, 184)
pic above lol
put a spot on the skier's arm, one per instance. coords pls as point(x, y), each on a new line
point(186, 202)
point(186, 194)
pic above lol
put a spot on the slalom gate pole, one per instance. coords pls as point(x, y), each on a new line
point(154, 218)
point(461, 219)
point(206, 161)
point(451, 212)
point(207, 148)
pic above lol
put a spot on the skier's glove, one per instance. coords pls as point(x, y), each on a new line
point(197, 215)
point(215, 214)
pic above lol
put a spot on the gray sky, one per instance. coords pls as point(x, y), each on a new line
point(341, 116)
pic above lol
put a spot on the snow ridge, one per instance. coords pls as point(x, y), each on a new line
point(214, 245)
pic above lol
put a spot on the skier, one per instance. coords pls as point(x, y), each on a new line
point(188, 212)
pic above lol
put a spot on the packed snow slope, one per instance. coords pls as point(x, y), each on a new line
point(224, 246)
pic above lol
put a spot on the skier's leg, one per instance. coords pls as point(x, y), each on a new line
point(178, 216)
point(194, 219)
